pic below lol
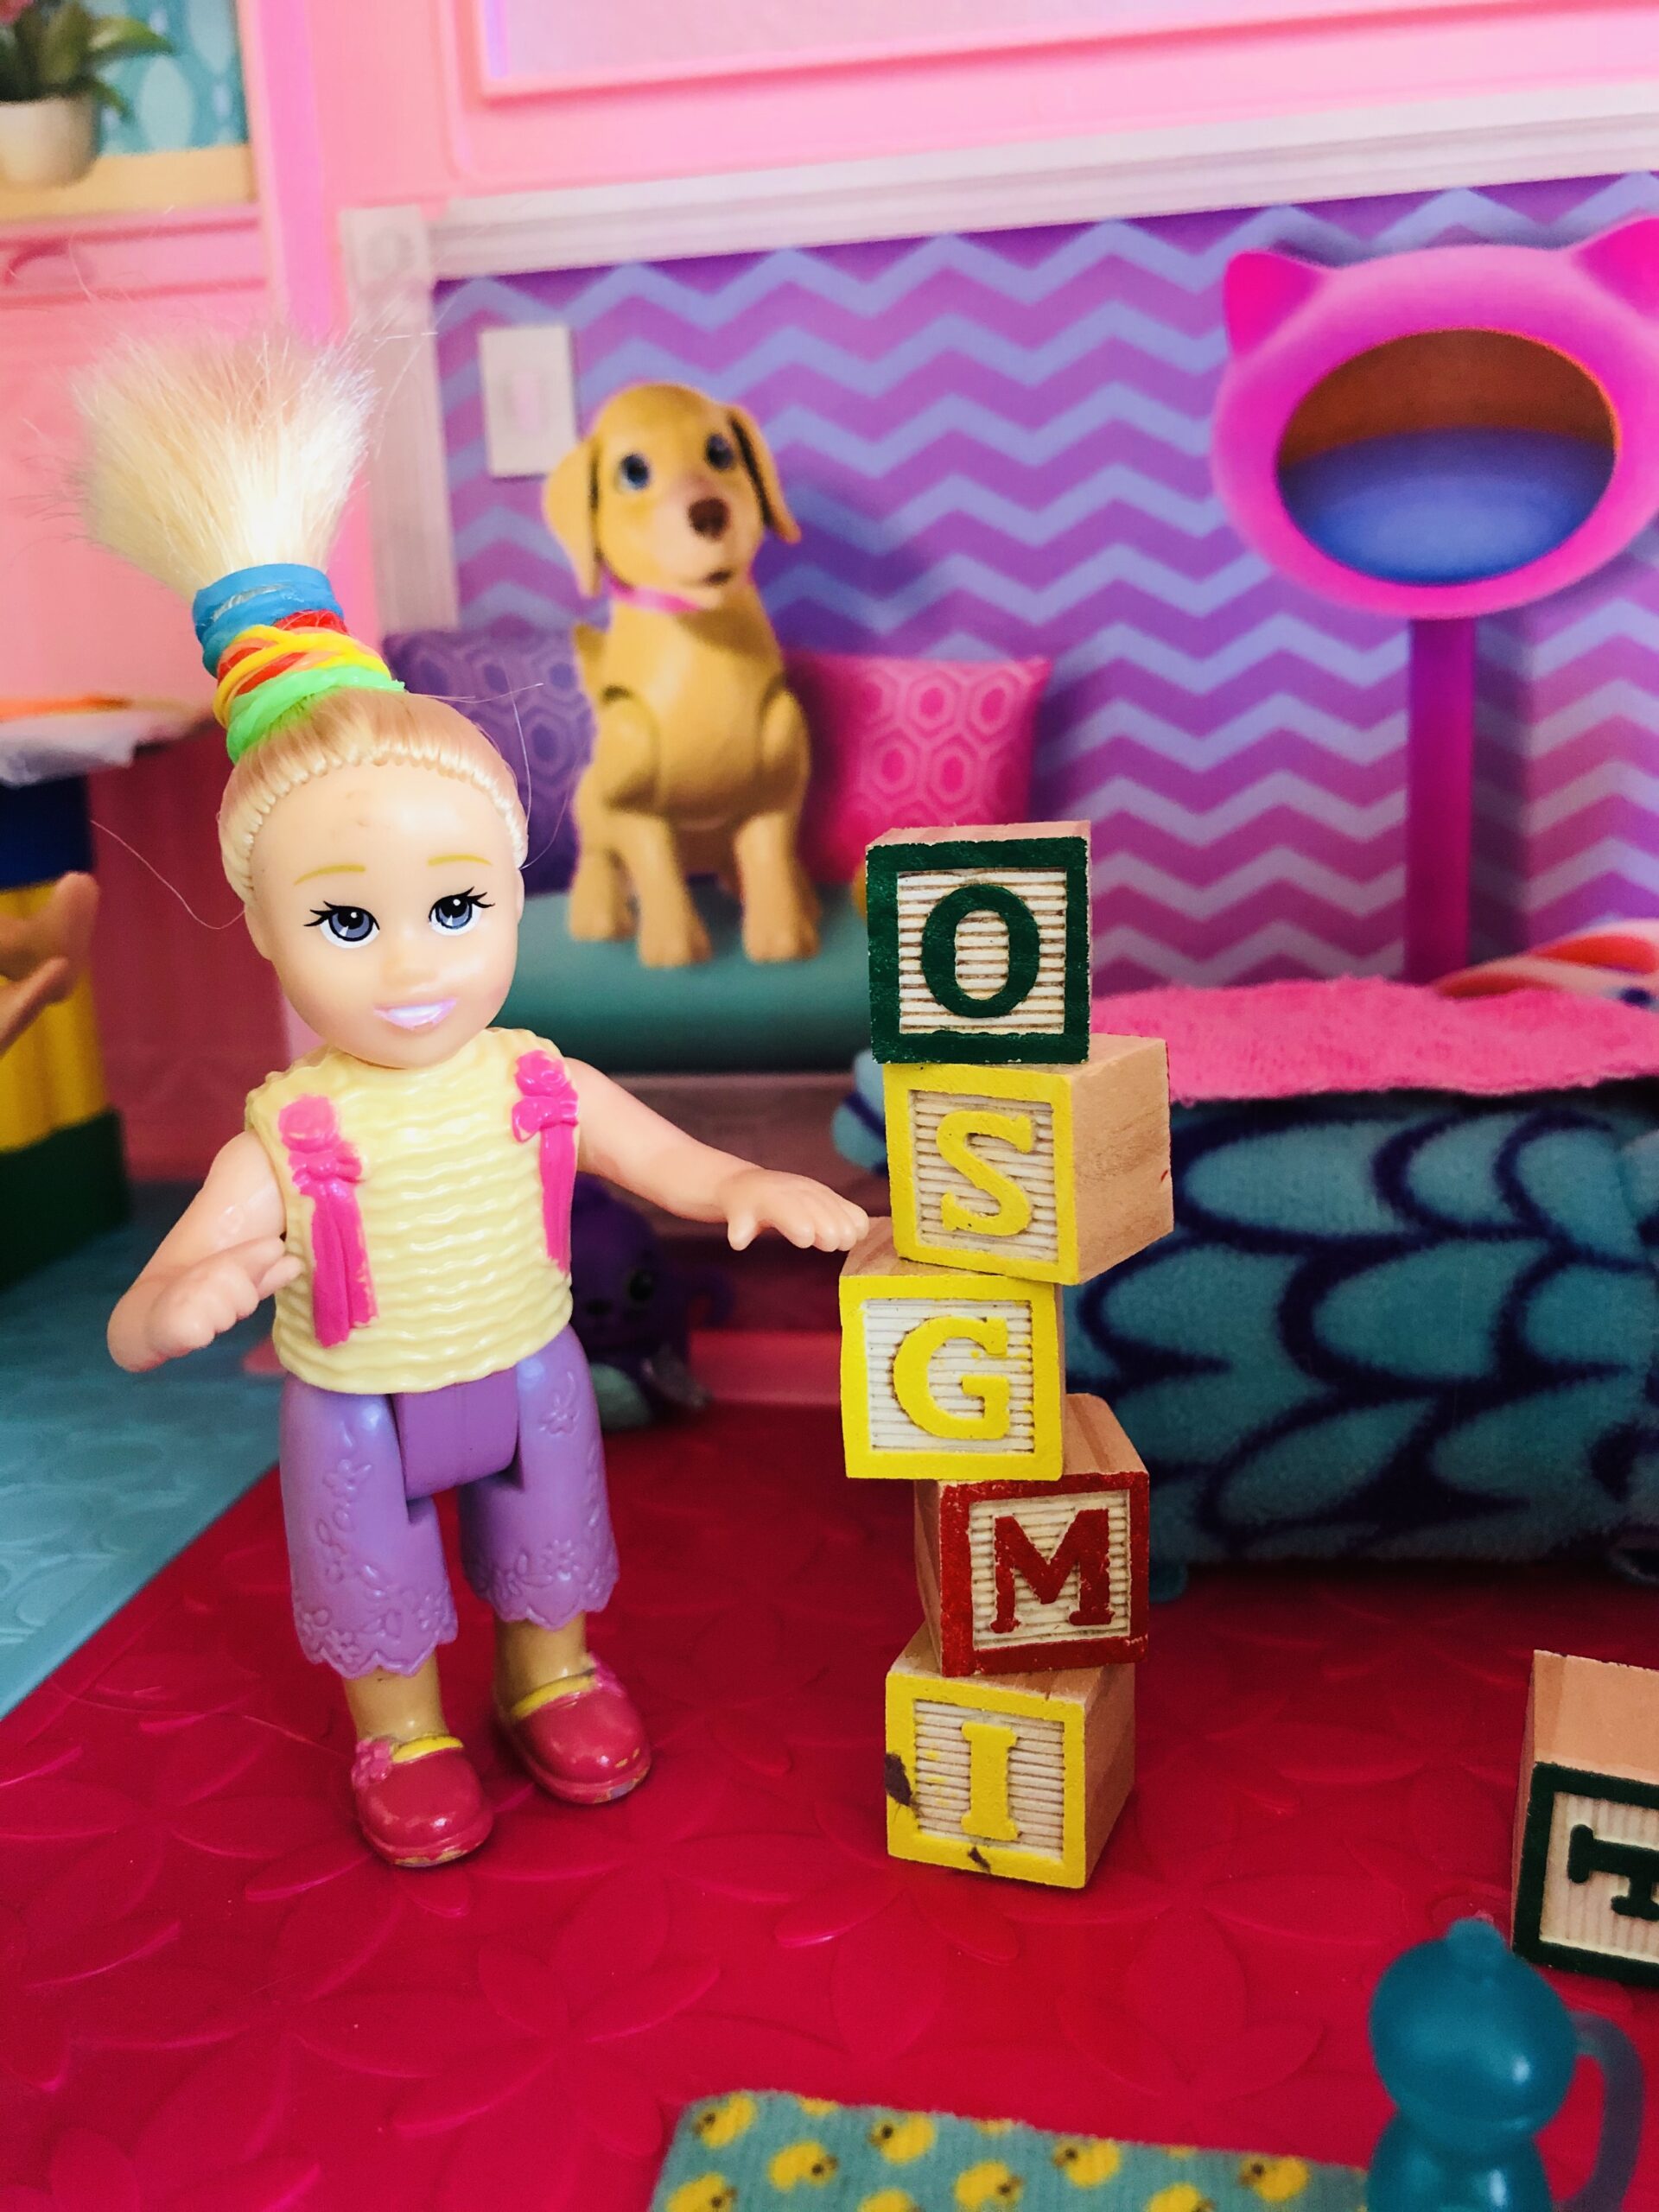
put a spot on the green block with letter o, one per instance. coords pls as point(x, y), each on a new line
point(979, 944)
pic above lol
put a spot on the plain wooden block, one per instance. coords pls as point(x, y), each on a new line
point(1586, 1832)
point(980, 943)
point(1054, 1173)
point(1016, 1576)
point(1021, 1776)
point(947, 1376)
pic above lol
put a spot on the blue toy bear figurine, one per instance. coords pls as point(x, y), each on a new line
point(1477, 2052)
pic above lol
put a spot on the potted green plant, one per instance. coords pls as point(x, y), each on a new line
point(53, 55)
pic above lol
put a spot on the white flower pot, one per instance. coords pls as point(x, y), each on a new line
point(47, 142)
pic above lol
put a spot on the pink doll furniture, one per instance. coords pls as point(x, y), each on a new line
point(1440, 435)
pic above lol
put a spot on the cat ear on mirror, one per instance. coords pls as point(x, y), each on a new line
point(1261, 292)
point(1625, 261)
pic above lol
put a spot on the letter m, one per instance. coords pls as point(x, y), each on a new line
point(1085, 1546)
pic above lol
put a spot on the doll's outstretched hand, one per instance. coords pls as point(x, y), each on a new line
point(186, 1311)
point(806, 1212)
point(624, 1141)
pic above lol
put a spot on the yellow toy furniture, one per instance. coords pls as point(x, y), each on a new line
point(62, 1176)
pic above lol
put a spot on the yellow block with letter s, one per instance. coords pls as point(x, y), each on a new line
point(1052, 1174)
point(944, 1377)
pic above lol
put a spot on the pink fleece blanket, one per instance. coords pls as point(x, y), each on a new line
point(1286, 1040)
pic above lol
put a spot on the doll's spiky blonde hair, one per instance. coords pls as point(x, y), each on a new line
point(208, 455)
point(213, 456)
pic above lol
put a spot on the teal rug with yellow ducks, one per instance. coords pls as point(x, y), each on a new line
point(754, 2152)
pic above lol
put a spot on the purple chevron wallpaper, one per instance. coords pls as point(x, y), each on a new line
point(997, 445)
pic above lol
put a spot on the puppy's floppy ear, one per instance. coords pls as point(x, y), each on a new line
point(570, 503)
point(763, 474)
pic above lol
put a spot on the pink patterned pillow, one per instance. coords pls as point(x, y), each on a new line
point(907, 744)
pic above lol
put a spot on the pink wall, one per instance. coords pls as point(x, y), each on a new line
point(360, 102)
point(76, 618)
point(188, 1019)
point(440, 135)
point(383, 102)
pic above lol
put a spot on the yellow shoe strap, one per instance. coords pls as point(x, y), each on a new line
point(422, 1747)
point(565, 1685)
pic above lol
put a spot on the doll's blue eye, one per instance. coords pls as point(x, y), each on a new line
point(345, 925)
point(720, 453)
point(458, 911)
point(634, 470)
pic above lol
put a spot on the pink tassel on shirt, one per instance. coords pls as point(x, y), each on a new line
point(548, 1110)
point(326, 1170)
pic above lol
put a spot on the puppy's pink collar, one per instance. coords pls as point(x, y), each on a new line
point(653, 602)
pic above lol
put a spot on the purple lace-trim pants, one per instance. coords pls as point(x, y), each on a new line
point(358, 1477)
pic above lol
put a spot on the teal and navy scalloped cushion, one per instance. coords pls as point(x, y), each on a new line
point(752, 2153)
point(1396, 1326)
point(1395, 1319)
point(1399, 1323)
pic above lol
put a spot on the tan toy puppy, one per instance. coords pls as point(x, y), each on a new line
point(701, 760)
point(43, 958)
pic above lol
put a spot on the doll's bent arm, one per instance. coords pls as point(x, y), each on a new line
point(219, 1259)
point(622, 1140)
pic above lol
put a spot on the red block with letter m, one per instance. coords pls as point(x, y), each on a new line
point(1017, 1577)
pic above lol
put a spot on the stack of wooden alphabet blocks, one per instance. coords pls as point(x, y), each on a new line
point(1023, 1154)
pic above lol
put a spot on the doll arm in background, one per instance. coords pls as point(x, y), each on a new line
point(623, 1141)
point(220, 1258)
point(42, 959)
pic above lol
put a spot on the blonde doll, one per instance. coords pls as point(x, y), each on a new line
point(404, 1191)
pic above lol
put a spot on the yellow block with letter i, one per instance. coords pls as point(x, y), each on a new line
point(1023, 1776)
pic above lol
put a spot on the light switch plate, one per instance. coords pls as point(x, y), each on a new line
point(528, 379)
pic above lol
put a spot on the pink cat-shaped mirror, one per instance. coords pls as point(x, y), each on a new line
point(1443, 433)
point(1439, 435)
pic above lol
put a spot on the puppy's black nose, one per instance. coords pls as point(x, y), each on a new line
point(709, 518)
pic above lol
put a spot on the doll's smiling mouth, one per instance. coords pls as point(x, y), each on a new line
point(425, 1016)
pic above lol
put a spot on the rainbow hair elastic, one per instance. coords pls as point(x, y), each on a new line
point(275, 639)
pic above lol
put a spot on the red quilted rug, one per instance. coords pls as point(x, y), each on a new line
point(211, 2001)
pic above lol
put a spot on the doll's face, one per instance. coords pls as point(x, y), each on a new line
point(388, 899)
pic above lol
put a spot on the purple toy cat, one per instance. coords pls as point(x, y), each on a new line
point(633, 1306)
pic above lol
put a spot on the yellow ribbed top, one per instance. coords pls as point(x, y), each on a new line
point(451, 1203)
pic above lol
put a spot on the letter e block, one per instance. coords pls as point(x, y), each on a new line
point(1587, 1835)
point(947, 1377)
point(1055, 1174)
point(1016, 1576)
point(1023, 1777)
point(979, 943)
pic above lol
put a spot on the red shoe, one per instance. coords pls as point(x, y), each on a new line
point(580, 1738)
point(421, 1803)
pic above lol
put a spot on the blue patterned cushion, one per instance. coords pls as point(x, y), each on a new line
point(519, 684)
point(1394, 1325)
point(1398, 1324)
